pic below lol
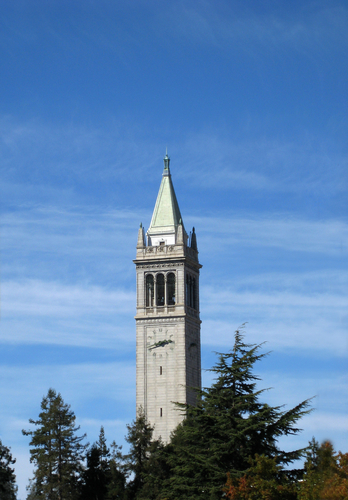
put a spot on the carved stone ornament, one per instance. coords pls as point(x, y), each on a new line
point(161, 320)
point(169, 266)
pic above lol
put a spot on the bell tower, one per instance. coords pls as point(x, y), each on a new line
point(168, 346)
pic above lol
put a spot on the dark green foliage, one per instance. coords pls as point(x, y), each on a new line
point(229, 432)
point(228, 425)
point(141, 463)
point(264, 480)
point(117, 482)
point(139, 437)
point(102, 478)
point(94, 478)
point(56, 450)
point(320, 458)
point(326, 473)
point(8, 487)
point(155, 471)
point(32, 491)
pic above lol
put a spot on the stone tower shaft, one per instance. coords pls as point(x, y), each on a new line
point(168, 348)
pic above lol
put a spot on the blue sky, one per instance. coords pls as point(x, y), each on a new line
point(251, 100)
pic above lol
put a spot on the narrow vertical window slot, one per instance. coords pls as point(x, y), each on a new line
point(161, 370)
point(161, 412)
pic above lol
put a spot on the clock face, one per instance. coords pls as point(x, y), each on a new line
point(160, 339)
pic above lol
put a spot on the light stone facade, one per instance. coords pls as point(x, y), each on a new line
point(168, 349)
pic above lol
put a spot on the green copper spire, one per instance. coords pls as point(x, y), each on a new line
point(166, 215)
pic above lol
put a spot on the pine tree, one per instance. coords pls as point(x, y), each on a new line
point(102, 478)
point(104, 451)
point(326, 473)
point(264, 480)
point(56, 450)
point(141, 456)
point(32, 491)
point(117, 483)
point(94, 478)
point(155, 472)
point(228, 425)
point(8, 487)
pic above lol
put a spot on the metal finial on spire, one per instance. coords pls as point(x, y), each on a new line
point(166, 160)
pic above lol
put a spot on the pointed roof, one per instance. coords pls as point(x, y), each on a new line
point(166, 215)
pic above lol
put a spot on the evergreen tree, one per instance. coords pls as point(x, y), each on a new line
point(326, 473)
point(102, 478)
point(117, 483)
point(228, 425)
point(104, 452)
point(32, 491)
point(56, 450)
point(155, 471)
point(94, 478)
point(138, 462)
point(264, 480)
point(8, 487)
point(336, 485)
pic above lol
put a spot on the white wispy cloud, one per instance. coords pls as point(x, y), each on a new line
point(36, 298)
point(50, 243)
point(47, 153)
point(79, 384)
point(327, 423)
point(281, 329)
point(52, 164)
point(303, 164)
point(103, 236)
point(296, 311)
point(282, 231)
point(45, 302)
point(53, 313)
point(314, 27)
point(285, 328)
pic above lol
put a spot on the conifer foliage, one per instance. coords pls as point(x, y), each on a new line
point(264, 480)
point(230, 433)
point(141, 461)
point(228, 426)
point(326, 473)
point(8, 487)
point(102, 478)
point(95, 477)
point(56, 450)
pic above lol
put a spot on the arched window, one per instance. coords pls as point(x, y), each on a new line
point(149, 290)
point(171, 289)
point(160, 290)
